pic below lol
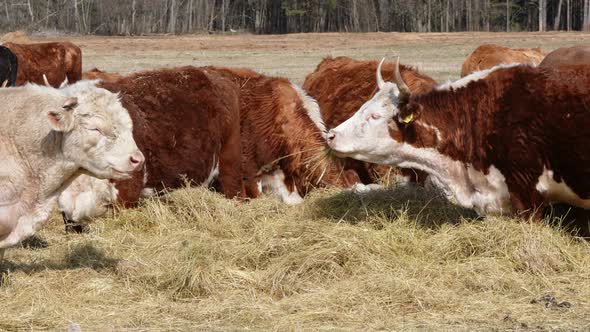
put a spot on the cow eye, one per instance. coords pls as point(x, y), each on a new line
point(98, 130)
point(375, 116)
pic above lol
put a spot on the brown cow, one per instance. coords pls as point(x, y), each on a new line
point(575, 55)
point(490, 55)
point(511, 141)
point(97, 74)
point(58, 61)
point(8, 67)
point(341, 85)
point(282, 137)
point(186, 123)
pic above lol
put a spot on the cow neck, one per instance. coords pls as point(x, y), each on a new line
point(447, 129)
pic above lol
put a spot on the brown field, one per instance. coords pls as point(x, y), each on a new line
point(398, 259)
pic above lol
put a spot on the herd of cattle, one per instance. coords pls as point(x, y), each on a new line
point(505, 138)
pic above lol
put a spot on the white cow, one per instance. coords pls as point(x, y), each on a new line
point(47, 138)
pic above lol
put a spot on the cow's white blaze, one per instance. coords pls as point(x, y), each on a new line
point(559, 192)
point(274, 184)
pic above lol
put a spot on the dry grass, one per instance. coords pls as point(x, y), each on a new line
point(400, 259)
point(396, 259)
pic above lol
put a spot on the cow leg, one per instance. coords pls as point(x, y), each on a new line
point(230, 165)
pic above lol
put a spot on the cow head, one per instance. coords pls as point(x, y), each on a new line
point(97, 132)
point(369, 134)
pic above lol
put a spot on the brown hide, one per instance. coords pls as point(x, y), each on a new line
point(520, 120)
point(575, 55)
point(97, 74)
point(277, 133)
point(56, 60)
point(184, 120)
point(342, 85)
point(489, 55)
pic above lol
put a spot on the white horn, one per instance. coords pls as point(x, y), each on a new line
point(46, 81)
point(380, 81)
point(5, 83)
point(64, 83)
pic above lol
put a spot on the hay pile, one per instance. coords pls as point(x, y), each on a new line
point(397, 259)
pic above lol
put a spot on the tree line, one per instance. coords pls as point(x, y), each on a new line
point(137, 17)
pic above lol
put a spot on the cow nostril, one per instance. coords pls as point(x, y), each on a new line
point(331, 135)
point(136, 159)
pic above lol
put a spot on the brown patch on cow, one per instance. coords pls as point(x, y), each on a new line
point(277, 133)
point(575, 55)
point(342, 85)
point(57, 61)
point(520, 120)
point(184, 121)
point(490, 55)
point(97, 74)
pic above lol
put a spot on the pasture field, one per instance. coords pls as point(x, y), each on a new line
point(395, 259)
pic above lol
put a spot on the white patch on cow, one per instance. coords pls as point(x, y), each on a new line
point(432, 128)
point(213, 174)
point(87, 198)
point(147, 192)
point(475, 76)
point(312, 108)
point(361, 188)
point(462, 184)
point(274, 184)
point(558, 192)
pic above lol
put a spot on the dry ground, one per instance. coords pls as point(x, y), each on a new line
point(399, 259)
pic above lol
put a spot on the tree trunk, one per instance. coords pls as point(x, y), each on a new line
point(447, 17)
point(541, 16)
point(585, 16)
point(507, 15)
point(568, 14)
point(172, 17)
point(557, 16)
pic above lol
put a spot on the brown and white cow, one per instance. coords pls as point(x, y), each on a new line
point(50, 136)
point(8, 67)
point(283, 138)
point(186, 122)
point(490, 55)
point(58, 61)
point(341, 85)
point(508, 141)
point(575, 55)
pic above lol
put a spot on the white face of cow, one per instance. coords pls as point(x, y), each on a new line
point(97, 132)
point(367, 134)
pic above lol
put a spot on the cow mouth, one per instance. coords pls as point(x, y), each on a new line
point(121, 175)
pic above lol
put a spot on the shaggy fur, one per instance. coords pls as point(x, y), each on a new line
point(490, 55)
point(575, 55)
point(57, 61)
point(279, 132)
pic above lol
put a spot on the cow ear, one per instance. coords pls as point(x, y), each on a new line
point(63, 119)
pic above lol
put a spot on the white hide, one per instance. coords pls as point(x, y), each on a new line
point(274, 184)
point(559, 192)
point(44, 145)
point(86, 198)
point(475, 76)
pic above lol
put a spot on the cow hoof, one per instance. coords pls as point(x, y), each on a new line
point(75, 229)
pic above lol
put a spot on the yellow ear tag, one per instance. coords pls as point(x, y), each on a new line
point(408, 118)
